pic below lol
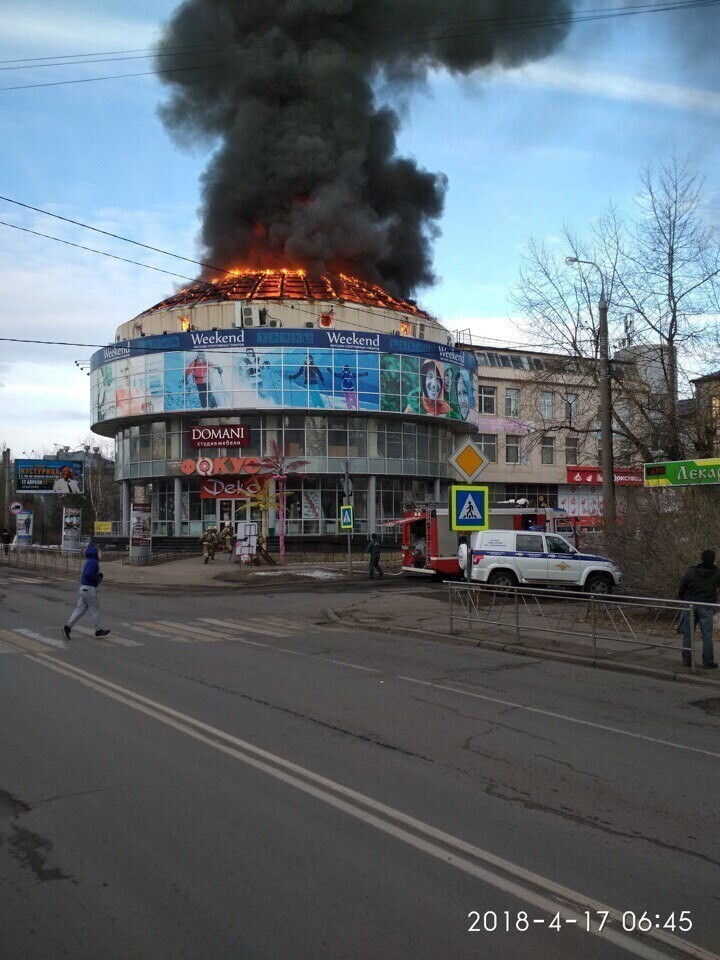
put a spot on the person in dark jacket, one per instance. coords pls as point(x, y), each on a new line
point(374, 548)
point(6, 540)
point(699, 586)
point(88, 599)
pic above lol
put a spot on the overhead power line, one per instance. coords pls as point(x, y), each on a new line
point(589, 14)
point(115, 236)
point(101, 253)
point(496, 23)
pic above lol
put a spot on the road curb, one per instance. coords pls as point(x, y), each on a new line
point(635, 669)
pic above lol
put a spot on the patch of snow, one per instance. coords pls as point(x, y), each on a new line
point(315, 574)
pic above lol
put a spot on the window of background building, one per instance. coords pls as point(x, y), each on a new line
point(571, 449)
point(487, 399)
point(512, 402)
point(488, 444)
point(512, 449)
point(546, 405)
point(532, 492)
point(547, 450)
point(571, 406)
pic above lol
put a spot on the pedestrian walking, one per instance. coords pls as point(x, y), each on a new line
point(374, 548)
point(209, 541)
point(88, 599)
point(700, 587)
point(6, 540)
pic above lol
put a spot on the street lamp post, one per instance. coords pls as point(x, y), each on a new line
point(606, 457)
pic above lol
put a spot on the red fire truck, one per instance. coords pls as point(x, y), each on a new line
point(429, 546)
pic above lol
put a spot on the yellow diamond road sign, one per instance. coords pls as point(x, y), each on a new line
point(469, 460)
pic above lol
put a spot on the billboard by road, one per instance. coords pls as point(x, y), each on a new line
point(48, 476)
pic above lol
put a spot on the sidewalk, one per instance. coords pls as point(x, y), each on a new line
point(426, 612)
point(192, 572)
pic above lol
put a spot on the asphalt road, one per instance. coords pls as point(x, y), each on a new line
point(236, 777)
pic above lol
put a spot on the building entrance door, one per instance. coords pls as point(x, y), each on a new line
point(233, 512)
point(225, 512)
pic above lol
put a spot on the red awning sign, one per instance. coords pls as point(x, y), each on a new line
point(593, 475)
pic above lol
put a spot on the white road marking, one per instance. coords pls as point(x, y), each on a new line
point(534, 889)
point(201, 634)
point(559, 716)
point(246, 625)
point(111, 638)
point(155, 633)
point(21, 644)
point(282, 622)
point(50, 641)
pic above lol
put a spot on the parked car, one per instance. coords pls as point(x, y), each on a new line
point(508, 558)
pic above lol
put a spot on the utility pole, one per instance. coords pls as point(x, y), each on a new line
point(348, 499)
point(7, 484)
point(605, 388)
point(606, 453)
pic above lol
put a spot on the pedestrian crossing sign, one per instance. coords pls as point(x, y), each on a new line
point(346, 517)
point(469, 508)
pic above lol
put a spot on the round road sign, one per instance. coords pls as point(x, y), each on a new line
point(15, 506)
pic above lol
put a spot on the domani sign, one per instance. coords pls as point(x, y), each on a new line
point(201, 437)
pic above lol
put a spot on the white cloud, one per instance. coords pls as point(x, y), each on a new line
point(62, 30)
point(51, 292)
point(572, 78)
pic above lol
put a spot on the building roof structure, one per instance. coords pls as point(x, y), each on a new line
point(281, 285)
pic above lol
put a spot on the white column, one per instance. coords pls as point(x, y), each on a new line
point(126, 508)
point(371, 505)
point(177, 515)
point(436, 490)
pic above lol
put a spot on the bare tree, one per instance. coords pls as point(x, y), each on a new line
point(662, 268)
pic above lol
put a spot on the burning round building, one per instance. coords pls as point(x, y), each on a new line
point(336, 371)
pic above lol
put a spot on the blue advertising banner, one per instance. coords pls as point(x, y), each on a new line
point(278, 337)
point(49, 476)
point(24, 528)
point(276, 369)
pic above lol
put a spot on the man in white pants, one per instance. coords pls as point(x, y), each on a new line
point(88, 599)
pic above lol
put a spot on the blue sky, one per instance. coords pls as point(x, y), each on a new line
point(524, 150)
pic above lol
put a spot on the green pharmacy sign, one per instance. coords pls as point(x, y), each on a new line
point(682, 473)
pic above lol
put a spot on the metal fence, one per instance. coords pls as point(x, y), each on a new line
point(606, 623)
point(38, 558)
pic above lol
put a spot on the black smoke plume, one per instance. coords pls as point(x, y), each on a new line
point(305, 171)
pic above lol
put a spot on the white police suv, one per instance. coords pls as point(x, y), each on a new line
point(511, 557)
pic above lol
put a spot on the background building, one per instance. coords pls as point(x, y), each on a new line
point(538, 421)
point(334, 370)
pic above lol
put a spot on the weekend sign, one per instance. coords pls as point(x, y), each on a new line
point(682, 473)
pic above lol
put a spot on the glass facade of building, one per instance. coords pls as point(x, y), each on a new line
point(406, 457)
point(389, 407)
